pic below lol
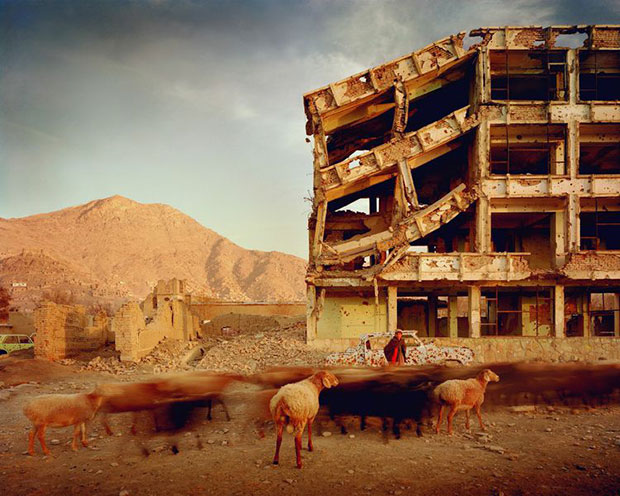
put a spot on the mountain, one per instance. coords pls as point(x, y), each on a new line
point(117, 248)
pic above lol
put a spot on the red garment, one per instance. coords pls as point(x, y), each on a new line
point(395, 356)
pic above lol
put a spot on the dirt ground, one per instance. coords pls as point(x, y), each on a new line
point(550, 451)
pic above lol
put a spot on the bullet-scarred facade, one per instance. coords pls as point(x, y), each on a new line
point(470, 193)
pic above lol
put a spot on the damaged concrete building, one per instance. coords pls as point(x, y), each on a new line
point(472, 193)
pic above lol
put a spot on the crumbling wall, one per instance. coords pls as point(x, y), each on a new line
point(351, 315)
point(513, 349)
point(127, 326)
point(510, 349)
point(66, 330)
point(212, 309)
point(136, 334)
point(164, 292)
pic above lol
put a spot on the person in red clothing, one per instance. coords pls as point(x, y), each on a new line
point(396, 350)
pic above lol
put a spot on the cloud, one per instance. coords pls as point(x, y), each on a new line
point(199, 103)
point(222, 99)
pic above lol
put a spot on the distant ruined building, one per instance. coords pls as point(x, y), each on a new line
point(164, 313)
point(67, 330)
point(472, 194)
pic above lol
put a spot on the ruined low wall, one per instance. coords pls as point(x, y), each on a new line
point(66, 330)
point(514, 349)
point(208, 311)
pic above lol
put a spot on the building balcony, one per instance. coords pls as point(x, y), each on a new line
point(593, 265)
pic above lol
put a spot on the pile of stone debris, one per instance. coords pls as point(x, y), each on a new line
point(111, 365)
point(243, 353)
point(252, 353)
point(169, 355)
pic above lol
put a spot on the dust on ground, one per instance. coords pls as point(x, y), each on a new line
point(548, 450)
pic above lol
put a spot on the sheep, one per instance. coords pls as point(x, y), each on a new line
point(202, 387)
point(60, 410)
point(129, 397)
point(380, 395)
point(298, 404)
point(205, 387)
point(276, 377)
point(463, 395)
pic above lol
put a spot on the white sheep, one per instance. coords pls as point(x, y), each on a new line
point(296, 405)
point(60, 410)
point(461, 394)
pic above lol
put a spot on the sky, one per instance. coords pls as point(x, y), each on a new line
point(198, 104)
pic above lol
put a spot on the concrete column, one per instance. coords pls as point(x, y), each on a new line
point(572, 148)
point(572, 223)
point(485, 82)
point(483, 225)
point(558, 233)
point(473, 307)
point(392, 308)
point(558, 311)
point(432, 315)
point(558, 166)
point(311, 321)
point(453, 323)
point(572, 62)
point(617, 315)
point(584, 300)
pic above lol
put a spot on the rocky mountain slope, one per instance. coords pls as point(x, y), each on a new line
point(117, 248)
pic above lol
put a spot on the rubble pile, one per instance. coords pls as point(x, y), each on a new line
point(244, 353)
point(251, 353)
point(168, 355)
point(111, 365)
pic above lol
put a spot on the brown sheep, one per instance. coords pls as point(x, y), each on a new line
point(60, 410)
point(298, 404)
point(463, 395)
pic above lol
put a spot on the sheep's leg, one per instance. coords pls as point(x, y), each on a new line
point(280, 428)
point(76, 434)
point(418, 423)
point(396, 427)
point(343, 428)
point(41, 437)
point(310, 447)
point(480, 418)
point(210, 407)
point(106, 425)
point(439, 419)
point(31, 440)
point(363, 423)
point(225, 409)
point(83, 430)
point(451, 414)
point(298, 446)
point(467, 419)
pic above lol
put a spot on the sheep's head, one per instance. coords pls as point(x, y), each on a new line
point(488, 375)
point(96, 400)
point(326, 379)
